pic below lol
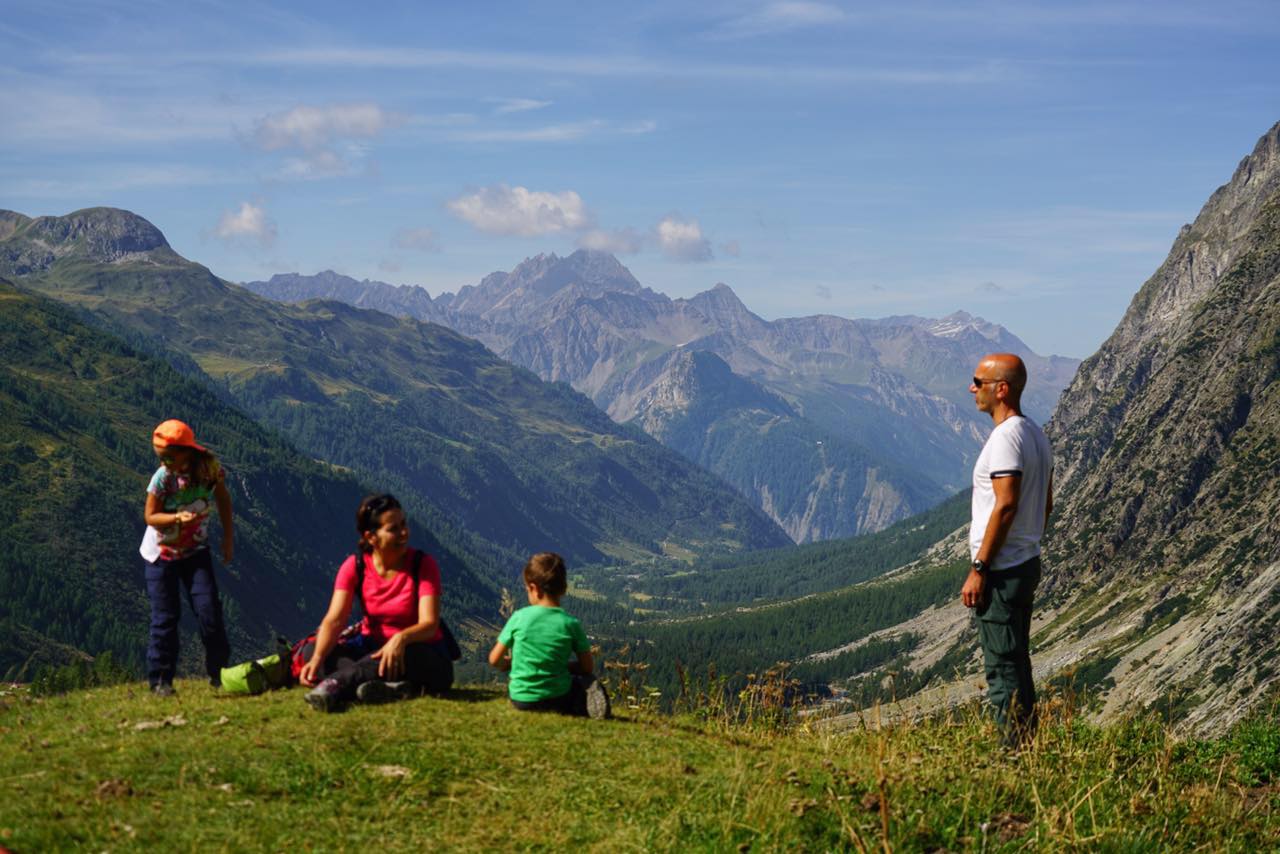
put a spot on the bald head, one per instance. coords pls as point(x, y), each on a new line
point(1010, 368)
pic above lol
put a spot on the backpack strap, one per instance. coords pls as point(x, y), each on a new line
point(358, 557)
point(417, 571)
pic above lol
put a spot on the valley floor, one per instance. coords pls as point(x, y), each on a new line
point(116, 769)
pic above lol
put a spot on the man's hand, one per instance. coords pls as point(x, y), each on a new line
point(974, 586)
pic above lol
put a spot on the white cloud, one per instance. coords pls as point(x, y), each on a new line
point(311, 128)
point(328, 141)
point(682, 240)
point(314, 165)
point(250, 223)
point(519, 211)
point(782, 16)
point(623, 241)
point(516, 105)
point(421, 239)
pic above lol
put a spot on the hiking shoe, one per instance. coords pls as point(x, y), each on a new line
point(163, 689)
point(598, 701)
point(325, 696)
point(377, 691)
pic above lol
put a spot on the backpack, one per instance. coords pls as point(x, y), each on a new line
point(254, 677)
point(447, 640)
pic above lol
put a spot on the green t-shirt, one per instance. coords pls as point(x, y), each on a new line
point(542, 640)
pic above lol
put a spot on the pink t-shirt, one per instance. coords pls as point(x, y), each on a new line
point(391, 605)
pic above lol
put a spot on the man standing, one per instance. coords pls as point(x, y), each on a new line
point(1012, 498)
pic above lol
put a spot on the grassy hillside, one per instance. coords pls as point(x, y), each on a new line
point(75, 458)
point(468, 773)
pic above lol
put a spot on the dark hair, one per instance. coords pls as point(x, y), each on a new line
point(369, 514)
point(545, 570)
point(203, 467)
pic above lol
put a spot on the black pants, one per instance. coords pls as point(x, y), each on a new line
point(195, 573)
point(1004, 630)
point(352, 664)
point(573, 703)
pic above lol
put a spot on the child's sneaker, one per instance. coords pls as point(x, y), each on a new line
point(377, 691)
point(325, 696)
point(598, 701)
point(163, 689)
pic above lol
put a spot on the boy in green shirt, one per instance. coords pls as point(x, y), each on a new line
point(535, 646)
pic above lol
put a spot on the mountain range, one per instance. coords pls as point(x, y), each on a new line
point(491, 462)
point(831, 426)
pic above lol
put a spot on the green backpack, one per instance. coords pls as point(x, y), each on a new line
point(254, 677)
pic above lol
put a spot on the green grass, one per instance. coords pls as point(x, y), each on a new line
point(470, 773)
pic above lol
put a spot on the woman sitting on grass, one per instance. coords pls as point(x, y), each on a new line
point(400, 650)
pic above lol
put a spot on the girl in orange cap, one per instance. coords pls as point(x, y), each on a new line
point(188, 484)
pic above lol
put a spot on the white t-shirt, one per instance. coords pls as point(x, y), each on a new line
point(1016, 446)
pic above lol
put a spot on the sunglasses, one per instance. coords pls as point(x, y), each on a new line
point(978, 382)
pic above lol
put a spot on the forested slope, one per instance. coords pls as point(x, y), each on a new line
point(75, 457)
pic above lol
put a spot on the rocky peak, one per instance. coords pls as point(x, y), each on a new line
point(724, 310)
point(323, 278)
point(1207, 247)
point(102, 235)
point(109, 234)
point(11, 221)
point(1167, 307)
point(962, 322)
point(510, 296)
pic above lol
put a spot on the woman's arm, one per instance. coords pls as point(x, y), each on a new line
point(153, 514)
point(327, 635)
point(391, 656)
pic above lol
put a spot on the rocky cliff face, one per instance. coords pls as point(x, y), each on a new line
point(1168, 447)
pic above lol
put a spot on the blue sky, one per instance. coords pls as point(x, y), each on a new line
point(1028, 162)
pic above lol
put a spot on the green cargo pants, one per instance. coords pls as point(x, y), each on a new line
point(1004, 631)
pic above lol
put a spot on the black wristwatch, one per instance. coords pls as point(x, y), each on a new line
point(980, 567)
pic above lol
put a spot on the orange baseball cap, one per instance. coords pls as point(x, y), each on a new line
point(175, 432)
